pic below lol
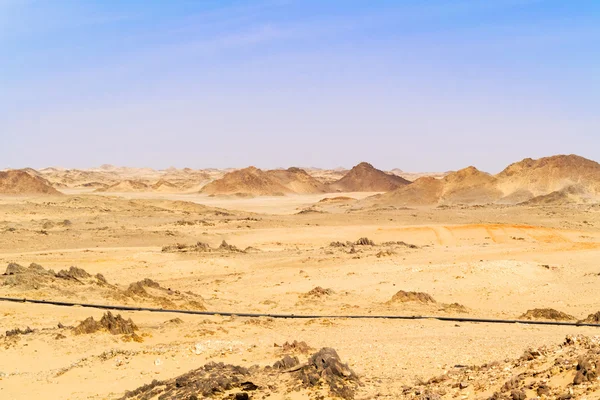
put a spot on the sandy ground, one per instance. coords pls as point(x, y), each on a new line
point(277, 205)
point(497, 262)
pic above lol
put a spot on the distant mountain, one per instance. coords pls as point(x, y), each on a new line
point(298, 181)
point(550, 180)
point(366, 178)
point(126, 186)
point(550, 174)
point(21, 182)
point(251, 181)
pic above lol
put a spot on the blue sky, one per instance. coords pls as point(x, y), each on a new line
point(418, 85)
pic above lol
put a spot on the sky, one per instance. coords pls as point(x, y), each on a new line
point(418, 85)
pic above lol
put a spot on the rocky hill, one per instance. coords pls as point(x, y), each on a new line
point(366, 178)
point(20, 182)
point(248, 181)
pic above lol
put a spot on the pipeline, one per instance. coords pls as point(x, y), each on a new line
point(296, 316)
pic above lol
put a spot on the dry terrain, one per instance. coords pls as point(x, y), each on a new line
point(312, 254)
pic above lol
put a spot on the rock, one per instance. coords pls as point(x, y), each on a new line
point(295, 347)
point(323, 370)
point(418, 297)
point(547, 313)
point(286, 362)
point(14, 268)
point(114, 325)
point(518, 395)
point(319, 292)
point(586, 371)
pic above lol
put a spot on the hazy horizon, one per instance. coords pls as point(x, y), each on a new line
point(277, 83)
point(279, 167)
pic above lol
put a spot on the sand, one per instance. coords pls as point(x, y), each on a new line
point(482, 261)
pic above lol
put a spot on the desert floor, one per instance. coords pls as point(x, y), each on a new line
point(497, 262)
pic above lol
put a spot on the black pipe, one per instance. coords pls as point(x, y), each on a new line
point(296, 316)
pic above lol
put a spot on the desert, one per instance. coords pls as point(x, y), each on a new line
point(294, 199)
point(446, 252)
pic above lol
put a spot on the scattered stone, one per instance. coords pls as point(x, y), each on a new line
point(18, 331)
point(201, 247)
point(109, 323)
point(326, 366)
point(385, 253)
point(14, 269)
point(287, 363)
point(295, 347)
point(174, 321)
point(565, 371)
point(35, 276)
point(73, 273)
point(228, 247)
point(586, 370)
point(547, 313)
point(405, 297)
point(364, 242)
point(360, 242)
point(69, 284)
point(400, 243)
point(310, 210)
point(319, 292)
point(323, 371)
point(591, 319)
point(455, 308)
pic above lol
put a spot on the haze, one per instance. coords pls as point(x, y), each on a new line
point(403, 84)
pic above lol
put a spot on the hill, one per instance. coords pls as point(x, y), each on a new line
point(165, 186)
point(561, 179)
point(424, 191)
point(366, 178)
point(550, 174)
point(469, 186)
point(298, 181)
point(570, 195)
point(466, 186)
point(126, 186)
point(20, 182)
point(251, 181)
